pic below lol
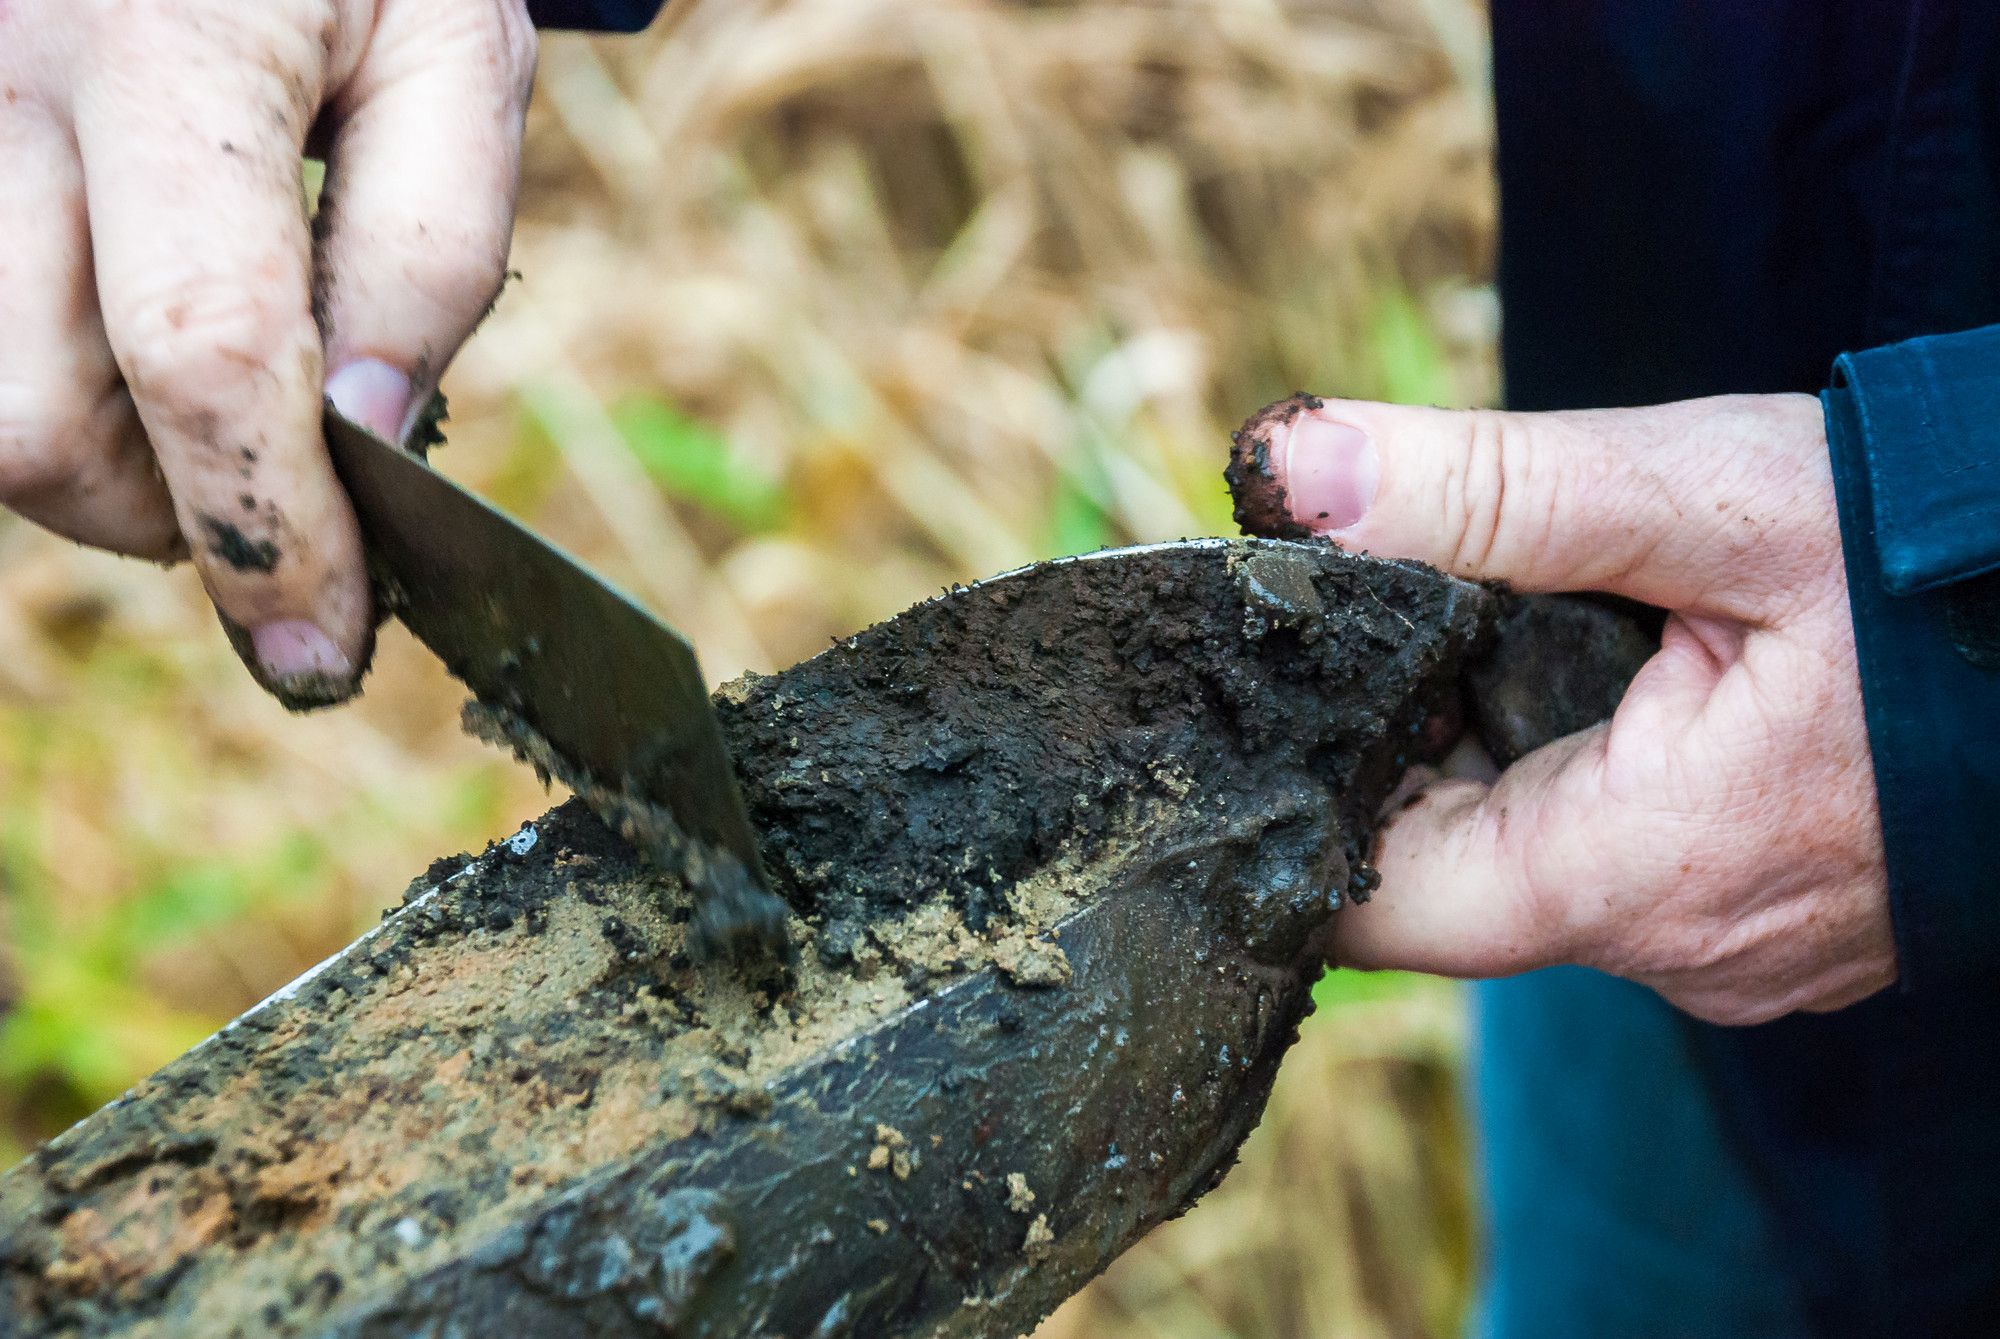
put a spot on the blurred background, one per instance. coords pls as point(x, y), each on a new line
point(821, 306)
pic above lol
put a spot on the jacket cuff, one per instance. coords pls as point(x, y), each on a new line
point(1914, 435)
point(602, 16)
point(1936, 492)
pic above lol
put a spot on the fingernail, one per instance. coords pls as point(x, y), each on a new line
point(300, 661)
point(1331, 471)
point(373, 394)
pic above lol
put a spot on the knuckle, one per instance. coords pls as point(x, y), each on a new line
point(462, 274)
point(1487, 512)
point(523, 47)
point(191, 333)
point(1548, 926)
point(499, 38)
point(38, 431)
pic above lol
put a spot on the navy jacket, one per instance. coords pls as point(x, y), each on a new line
point(1708, 196)
point(607, 16)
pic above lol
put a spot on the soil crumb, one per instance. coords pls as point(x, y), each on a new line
point(1040, 1242)
point(892, 1153)
point(1031, 962)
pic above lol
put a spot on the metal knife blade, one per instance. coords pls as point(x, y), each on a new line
point(577, 677)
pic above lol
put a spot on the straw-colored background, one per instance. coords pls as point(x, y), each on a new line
point(824, 304)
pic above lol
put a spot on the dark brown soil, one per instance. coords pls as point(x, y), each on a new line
point(1559, 664)
point(1060, 850)
point(962, 744)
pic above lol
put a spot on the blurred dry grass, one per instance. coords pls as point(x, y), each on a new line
point(825, 304)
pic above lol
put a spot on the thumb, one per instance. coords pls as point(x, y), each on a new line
point(418, 212)
point(1479, 880)
point(1637, 502)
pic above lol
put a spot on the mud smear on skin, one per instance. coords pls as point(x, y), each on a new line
point(1058, 850)
point(1262, 505)
point(230, 545)
point(308, 691)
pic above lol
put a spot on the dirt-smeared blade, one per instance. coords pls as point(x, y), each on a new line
point(575, 676)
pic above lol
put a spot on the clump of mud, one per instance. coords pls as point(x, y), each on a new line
point(1058, 850)
point(962, 744)
point(1557, 663)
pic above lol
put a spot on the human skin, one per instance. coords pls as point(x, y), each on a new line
point(170, 318)
point(1718, 838)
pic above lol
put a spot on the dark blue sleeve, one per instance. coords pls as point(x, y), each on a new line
point(1914, 431)
point(602, 16)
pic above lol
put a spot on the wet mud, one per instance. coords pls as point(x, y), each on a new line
point(735, 919)
point(1059, 853)
point(1557, 664)
point(1263, 507)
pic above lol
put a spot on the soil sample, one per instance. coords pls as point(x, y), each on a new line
point(1559, 663)
point(1059, 848)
